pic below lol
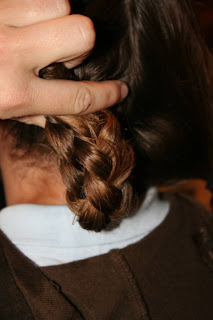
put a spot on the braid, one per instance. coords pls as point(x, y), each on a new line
point(95, 163)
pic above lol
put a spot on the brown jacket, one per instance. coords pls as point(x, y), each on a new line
point(165, 276)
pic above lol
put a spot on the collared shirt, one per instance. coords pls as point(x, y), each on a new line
point(49, 235)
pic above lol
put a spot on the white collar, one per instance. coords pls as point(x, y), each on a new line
point(29, 222)
point(48, 236)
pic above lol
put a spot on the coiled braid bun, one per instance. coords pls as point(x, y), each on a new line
point(95, 163)
point(94, 158)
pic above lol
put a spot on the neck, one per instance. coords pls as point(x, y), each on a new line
point(25, 183)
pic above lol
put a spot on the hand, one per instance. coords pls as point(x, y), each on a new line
point(34, 34)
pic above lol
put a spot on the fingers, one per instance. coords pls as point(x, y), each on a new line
point(33, 35)
point(39, 121)
point(64, 97)
point(26, 12)
point(77, 38)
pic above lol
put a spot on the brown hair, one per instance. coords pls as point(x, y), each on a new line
point(161, 133)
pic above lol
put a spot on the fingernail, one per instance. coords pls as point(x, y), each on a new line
point(124, 91)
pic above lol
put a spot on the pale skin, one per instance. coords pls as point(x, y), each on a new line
point(27, 181)
point(34, 34)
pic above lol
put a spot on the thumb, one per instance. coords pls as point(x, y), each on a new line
point(66, 97)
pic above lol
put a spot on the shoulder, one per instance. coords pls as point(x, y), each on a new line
point(173, 264)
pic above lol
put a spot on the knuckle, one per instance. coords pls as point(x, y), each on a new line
point(83, 101)
point(87, 31)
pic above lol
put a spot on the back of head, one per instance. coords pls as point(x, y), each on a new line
point(161, 133)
